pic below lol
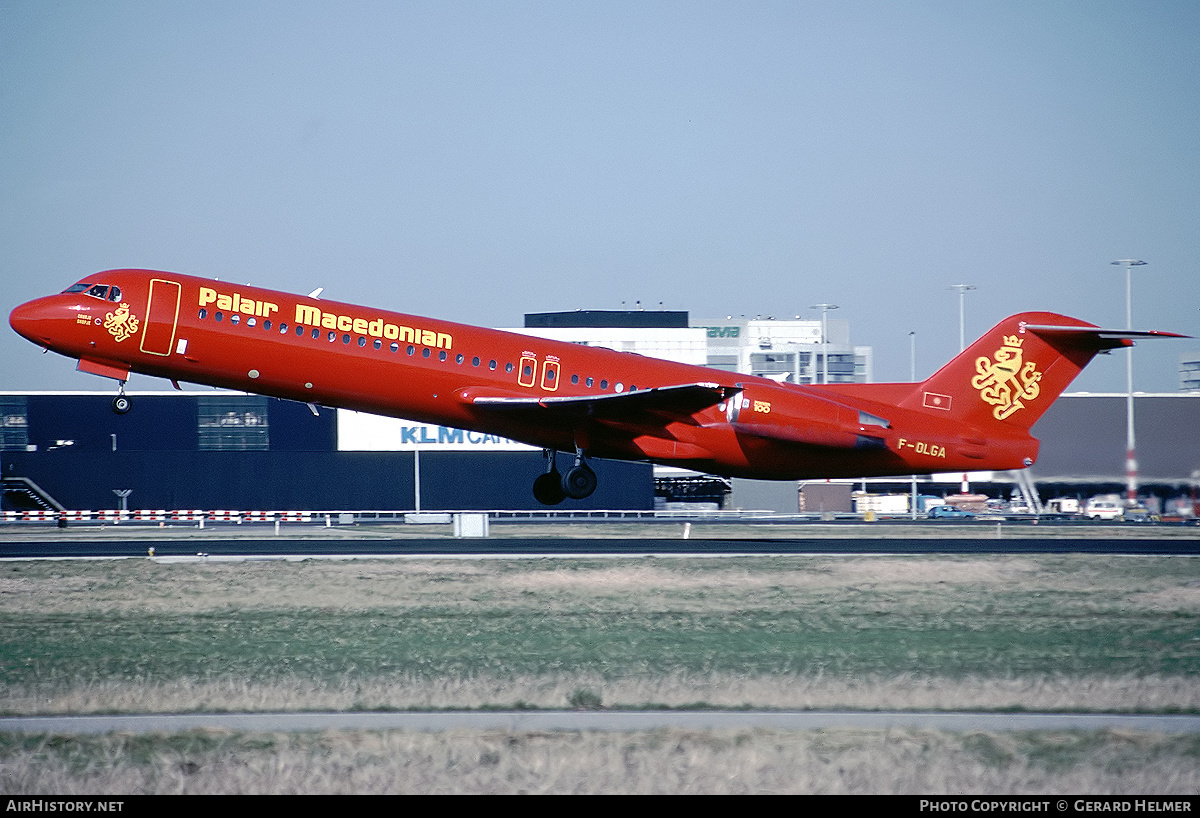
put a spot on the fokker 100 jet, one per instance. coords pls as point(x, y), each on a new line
point(974, 414)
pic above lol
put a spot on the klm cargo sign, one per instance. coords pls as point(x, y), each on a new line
point(359, 432)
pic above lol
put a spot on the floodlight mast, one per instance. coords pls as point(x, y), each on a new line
point(962, 342)
point(1131, 466)
point(962, 291)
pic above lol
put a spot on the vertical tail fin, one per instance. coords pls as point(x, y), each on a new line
point(1012, 374)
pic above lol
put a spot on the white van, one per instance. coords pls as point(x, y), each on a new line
point(1104, 508)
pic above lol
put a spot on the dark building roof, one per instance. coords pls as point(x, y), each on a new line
point(1083, 437)
point(609, 318)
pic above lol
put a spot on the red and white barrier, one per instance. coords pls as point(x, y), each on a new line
point(295, 516)
point(114, 516)
point(188, 515)
point(225, 516)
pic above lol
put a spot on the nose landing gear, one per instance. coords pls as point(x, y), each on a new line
point(121, 404)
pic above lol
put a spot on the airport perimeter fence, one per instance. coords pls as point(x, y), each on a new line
point(201, 517)
point(475, 523)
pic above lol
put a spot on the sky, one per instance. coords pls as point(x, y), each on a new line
point(477, 160)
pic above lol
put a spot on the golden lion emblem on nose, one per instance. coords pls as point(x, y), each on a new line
point(121, 324)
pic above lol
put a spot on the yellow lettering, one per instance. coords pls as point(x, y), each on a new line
point(237, 303)
point(307, 315)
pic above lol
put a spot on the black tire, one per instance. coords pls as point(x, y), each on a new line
point(579, 482)
point(547, 489)
point(121, 404)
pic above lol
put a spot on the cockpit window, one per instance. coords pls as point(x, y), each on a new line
point(102, 291)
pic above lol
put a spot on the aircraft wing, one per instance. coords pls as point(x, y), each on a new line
point(678, 401)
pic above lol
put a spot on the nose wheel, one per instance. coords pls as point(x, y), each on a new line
point(121, 403)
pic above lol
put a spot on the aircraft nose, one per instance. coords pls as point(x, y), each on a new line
point(27, 317)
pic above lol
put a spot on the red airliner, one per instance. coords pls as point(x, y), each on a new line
point(974, 414)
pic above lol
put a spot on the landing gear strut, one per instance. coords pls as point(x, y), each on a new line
point(580, 481)
point(121, 404)
point(551, 488)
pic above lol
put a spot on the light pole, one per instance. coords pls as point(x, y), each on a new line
point(962, 291)
point(962, 342)
point(912, 356)
point(1131, 467)
point(912, 376)
point(824, 308)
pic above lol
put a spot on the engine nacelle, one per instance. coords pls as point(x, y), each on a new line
point(802, 417)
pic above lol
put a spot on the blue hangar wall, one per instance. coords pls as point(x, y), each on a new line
point(212, 452)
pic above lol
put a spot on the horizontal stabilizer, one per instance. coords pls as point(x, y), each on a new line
point(1096, 337)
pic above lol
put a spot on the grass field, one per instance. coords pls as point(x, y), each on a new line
point(1072, 633)
point(665, 761)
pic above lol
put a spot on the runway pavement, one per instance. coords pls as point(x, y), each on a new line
point(591, 539)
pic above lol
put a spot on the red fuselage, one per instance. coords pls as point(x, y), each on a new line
point(557, 395)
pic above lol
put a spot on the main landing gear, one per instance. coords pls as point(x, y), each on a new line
point(551, 488)
point(121, 404)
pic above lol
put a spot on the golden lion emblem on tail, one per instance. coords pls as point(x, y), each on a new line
point(1006, 381)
